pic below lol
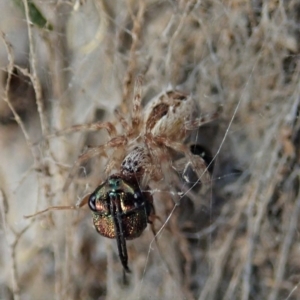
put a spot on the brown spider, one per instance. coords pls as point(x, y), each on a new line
point(144, 154)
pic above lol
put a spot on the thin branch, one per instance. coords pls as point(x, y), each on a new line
point(35, 80)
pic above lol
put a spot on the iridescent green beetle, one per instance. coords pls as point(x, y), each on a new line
point(120, 211)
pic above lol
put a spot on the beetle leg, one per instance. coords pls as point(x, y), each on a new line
point(121, 242)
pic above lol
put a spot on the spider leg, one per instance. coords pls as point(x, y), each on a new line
point(187, 191)
point(67, 207)
point(182, 165)
point(157, 156)
point(110, 128)
point(137, 99)
point(185, 252)
point(122, 121)
point(92, 152)
point(83, 202)
point(167, 172)
point(196, 123)
point(197, 163)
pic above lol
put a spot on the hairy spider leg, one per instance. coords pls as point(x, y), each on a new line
point(165, 166)
point(187, 191)
point(122, 121)
point(95, 126)
point(92, 152)
point(137, 100)
point(198, 164)
point(154, 170)
point(83, 202)
point(169, 167)
point(198, 122)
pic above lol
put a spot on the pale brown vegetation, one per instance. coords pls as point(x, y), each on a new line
point(238, 237)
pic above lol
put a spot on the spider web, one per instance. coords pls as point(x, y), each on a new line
point(239, 240)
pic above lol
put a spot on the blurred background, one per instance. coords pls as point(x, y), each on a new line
point(74, 62)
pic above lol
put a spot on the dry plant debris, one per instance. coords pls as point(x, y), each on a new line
point(233, 236)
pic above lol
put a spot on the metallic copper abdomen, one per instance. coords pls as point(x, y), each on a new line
point(121, 211)
point(133, 224)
